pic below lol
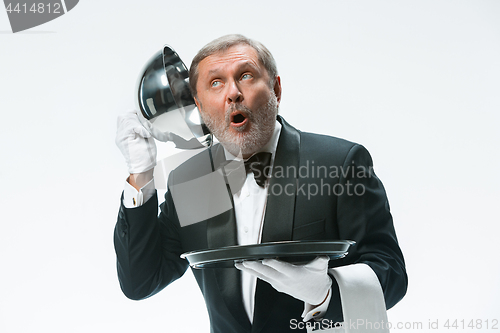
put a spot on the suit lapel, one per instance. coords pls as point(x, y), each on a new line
point(278, 221)
point(221, 231)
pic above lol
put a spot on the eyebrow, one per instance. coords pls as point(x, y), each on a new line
point(213, 71)
point(242, 66)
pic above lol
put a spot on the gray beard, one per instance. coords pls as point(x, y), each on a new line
point(263, 121)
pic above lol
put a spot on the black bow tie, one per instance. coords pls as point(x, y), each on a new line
point(259, 164)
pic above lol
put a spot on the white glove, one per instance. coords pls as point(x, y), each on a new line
point(309, 283)
point(136, 143)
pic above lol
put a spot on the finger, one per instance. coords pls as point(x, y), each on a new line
point(319, 263)
point(322, 258)
point(263, 277)
point(264, 270)
point(128, 126)
point(281, 266)
point(128, 116)
point(140, 130)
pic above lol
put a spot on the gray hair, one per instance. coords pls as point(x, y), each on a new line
point(222, 44)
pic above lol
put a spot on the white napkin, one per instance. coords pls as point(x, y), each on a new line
point(363, 303)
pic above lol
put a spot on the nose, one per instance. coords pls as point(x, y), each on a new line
point(234, 94)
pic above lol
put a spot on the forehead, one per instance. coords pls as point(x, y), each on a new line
point(235, 56)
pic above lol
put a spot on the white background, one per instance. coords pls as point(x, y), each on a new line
point(416, 82)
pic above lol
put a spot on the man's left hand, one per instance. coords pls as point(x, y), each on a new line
point(309, 283)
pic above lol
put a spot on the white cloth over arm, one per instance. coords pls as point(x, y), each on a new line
point(362, 298)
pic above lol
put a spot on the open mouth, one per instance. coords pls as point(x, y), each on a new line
point(238, 119)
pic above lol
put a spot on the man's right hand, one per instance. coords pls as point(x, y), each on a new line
point(136, 144)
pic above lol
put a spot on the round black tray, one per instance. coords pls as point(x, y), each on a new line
point(296, 252)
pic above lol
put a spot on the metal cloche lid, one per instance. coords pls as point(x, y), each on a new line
point(167, 108)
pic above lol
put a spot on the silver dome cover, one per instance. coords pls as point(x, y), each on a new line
point(167, 108)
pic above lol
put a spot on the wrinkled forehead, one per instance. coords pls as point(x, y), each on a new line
point(236, 55)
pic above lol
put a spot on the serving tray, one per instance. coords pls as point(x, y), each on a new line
point(296, 252)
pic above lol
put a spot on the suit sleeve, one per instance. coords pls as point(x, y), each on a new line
point(363, 215)
point(147, 248)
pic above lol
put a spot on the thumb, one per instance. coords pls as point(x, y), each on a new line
point(319, 263)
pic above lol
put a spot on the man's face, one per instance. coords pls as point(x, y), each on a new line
point(235, 99)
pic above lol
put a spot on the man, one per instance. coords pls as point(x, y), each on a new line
point(237, 89)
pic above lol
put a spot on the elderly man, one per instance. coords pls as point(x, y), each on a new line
point(237, 90)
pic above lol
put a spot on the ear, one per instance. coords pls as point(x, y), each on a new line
point(198, 104)
point(277, 88)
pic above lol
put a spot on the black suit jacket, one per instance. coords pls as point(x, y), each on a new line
point(328, 191)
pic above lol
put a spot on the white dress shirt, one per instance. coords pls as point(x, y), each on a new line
point(249, 209)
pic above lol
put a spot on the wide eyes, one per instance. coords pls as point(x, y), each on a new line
point(246, 76)
point(218, 83)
